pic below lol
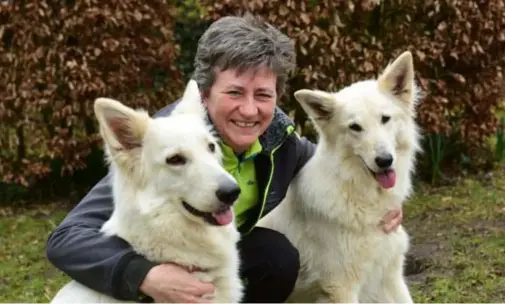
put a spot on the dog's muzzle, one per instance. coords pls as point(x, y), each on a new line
point(222, 216)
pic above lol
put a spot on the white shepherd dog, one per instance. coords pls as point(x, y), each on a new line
point(361, 169)
point(172, 197)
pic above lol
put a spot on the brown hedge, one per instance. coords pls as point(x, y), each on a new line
point(458, 48)
point(58, 56)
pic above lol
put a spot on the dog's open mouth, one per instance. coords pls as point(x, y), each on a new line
point(385, 178)
point(221, 217)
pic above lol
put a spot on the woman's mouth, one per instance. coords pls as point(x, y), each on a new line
point(244, 124)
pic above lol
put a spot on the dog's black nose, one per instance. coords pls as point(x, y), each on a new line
point(228, 193)
point(384, 161)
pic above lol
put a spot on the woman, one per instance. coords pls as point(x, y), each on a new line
point(241, 66)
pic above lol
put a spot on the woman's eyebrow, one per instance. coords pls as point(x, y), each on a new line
point(234, 87)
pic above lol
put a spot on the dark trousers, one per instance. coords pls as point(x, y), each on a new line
point(269, 266)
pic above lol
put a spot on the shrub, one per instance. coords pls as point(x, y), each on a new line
point(57, 57)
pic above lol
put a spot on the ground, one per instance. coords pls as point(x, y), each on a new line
point(457, 231)
point(25, 273)
point(458, 241)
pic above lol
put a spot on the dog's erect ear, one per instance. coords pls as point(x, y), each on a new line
point(319, 105)
point(121, 126)
point(191, 102)
point(398, 78)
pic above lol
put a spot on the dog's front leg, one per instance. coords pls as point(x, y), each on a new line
point(76, 292)
point(402, 292)
point(227, 290)
point(393, 284)
point(228, 287)
point(397, 290)
point(341, 290)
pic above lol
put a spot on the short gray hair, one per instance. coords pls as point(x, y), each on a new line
point(243, 43)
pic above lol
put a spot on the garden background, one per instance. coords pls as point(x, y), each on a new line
point(56, 57)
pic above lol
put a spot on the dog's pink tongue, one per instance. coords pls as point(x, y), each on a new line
point(224, 218)
point(386, 179)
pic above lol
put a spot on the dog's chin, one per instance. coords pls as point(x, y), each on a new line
point(386, 178)
point(221, 217)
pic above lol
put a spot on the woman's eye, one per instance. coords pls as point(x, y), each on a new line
point(264, 96)
point(233, 93)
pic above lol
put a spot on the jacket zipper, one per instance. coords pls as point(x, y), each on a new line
point(267, 187)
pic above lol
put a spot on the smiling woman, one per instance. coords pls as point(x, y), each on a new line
point(241, 105)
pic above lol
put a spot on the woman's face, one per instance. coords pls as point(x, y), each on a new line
point(241, 106)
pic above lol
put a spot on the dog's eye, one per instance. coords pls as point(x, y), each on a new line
point(356, 127)
point(212, 147)
point(385, 119)
point(176, 160)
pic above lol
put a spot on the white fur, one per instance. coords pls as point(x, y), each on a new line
point(333, 208)
point(148, 194)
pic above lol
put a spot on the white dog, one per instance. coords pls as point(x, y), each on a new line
point(172, 197)
point(361, 169)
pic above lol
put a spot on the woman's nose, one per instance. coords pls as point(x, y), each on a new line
point(249, 108)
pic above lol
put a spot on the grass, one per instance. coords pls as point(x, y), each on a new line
point(457, 233)
point(25, 273)
point(458, 241)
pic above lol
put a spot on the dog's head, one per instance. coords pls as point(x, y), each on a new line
point(370, 122)
point(174, 162)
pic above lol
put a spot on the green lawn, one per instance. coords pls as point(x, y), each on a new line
point(458, 240)
point(25, 273)
point(458, 245)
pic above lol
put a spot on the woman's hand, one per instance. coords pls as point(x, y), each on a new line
point(172, 283)
point(392, 220)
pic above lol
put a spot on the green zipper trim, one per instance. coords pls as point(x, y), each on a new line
point(289, 130)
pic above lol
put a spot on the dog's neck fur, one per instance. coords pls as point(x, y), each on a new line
point(158, 227)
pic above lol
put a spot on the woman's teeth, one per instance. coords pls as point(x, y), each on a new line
point(244, 124)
